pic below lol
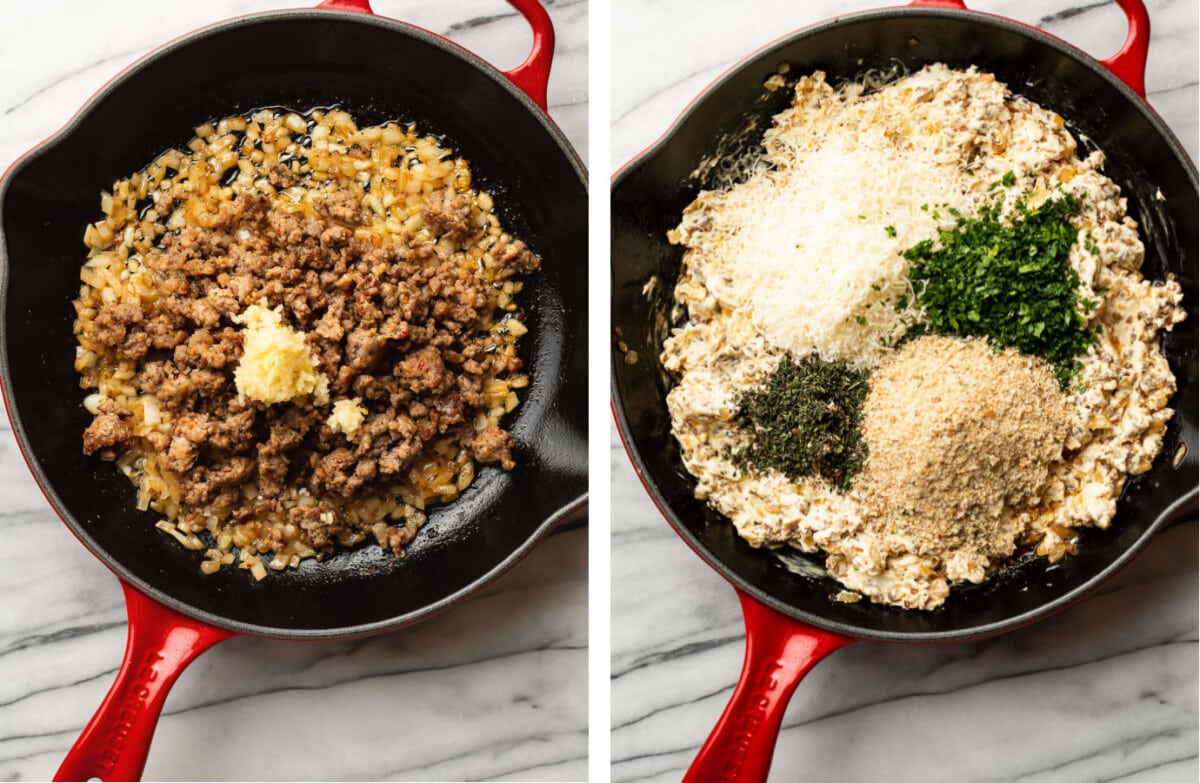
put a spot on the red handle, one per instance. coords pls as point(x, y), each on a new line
point(1128, 64)
point(779, 652)
point(161, 642)
point(361, 6)
point(531, 76)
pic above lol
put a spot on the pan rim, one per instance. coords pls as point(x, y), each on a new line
point(1182, 504)
point(396, 26)
point(571, 508)
point(978, 17)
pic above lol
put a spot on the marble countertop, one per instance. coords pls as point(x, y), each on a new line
point(495, 689)
point(1105, 691)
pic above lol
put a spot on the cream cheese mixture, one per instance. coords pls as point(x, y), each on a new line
point(803, 257)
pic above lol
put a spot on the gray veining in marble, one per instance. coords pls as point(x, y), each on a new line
point(494, 690)
point(1105, 691)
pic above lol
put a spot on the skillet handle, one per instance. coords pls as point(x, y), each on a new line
point(161, 642)
point(361, 6)
point(1128, 64)
point(531, 76)
point(779, 652)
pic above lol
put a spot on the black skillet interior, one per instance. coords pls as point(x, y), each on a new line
point(648, 196)
point(377, 70)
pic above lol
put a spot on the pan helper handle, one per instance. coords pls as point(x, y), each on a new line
point(1128, 64)
point(779, 652)
point(161, 643)
point(531, 76)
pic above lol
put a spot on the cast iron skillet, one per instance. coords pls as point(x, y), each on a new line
point(377, 69)
point(791, 623)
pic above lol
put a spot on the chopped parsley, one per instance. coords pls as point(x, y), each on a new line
point(891, 231)
point(805, 421)
point(1008, 281)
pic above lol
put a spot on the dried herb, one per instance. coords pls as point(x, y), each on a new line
point(1009, 281)
point(804, 421)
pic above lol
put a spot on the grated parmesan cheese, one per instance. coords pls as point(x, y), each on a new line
point(809, 244)
point(277, 364)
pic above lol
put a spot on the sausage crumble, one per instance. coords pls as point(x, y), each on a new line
point(368, 245)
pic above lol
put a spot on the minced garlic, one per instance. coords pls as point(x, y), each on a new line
point(347, 416)
point(276, 365)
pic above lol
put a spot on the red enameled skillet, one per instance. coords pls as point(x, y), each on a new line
point(377, 69)
point(790, 621)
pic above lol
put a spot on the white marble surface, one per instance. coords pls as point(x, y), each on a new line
point(1104, 691)
point(495, 689)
